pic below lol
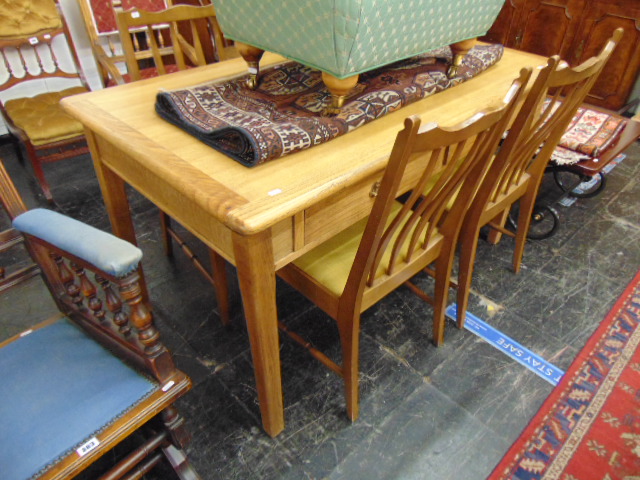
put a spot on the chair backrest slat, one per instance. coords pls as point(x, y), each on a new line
point(555, 96)
point(173, 47)
point(452, 162)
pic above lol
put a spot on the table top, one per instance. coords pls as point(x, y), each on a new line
point(250, 200)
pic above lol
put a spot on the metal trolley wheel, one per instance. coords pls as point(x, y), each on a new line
point(544, 221)
point(567, 179)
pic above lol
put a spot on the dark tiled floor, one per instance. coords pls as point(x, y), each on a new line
point(426, 413)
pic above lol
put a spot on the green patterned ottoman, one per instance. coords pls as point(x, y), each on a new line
point(344, 38)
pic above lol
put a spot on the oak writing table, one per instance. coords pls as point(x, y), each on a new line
point(258, 218)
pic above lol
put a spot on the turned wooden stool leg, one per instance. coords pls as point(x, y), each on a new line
point(252, 56)
point(339, 88)
point(459, 50)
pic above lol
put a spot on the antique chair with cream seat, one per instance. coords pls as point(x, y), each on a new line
point(547, 110)
point(36, 55)
point(95, 373)
point(352, 271)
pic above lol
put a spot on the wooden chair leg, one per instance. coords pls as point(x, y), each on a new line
point(466, 261)
point(180, 463)
point(349, 327)
point(219, 270)
point(36, 164)
point(444, 265)
point(495, 236)
point(165, 225)
point(527, 203)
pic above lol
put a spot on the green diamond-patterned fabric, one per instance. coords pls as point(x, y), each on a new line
point(345, 37)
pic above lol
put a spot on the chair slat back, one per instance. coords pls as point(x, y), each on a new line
point(555, 96)
point(27, 54)
point(452, 161)
point(142, 37)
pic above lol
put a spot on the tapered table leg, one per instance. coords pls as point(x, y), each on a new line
point(115, 199)
point(256, 274)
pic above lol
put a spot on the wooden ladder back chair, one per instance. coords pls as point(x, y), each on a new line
point(99, 18)
point(142, 38)
point(441, 167)
point(547, 110)
point(183, 53)
point(117, 35)
point(36, 54)
point(78, 384)
point(102, 29)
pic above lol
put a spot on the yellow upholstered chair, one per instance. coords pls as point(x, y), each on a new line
point(521, 162)
point(30, 62)
point(352, 271)
point(78, 384)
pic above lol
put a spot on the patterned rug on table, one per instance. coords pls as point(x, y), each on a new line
point(589, 427)
point(283, 115)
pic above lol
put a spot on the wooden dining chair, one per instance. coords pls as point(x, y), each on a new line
point(352, 271)
point(516, 175)
point(95, 373)
point(143, 39)
point(99, 18)
point(39, 66)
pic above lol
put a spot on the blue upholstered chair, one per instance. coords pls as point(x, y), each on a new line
point(79, 383)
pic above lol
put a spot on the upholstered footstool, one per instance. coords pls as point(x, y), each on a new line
point(344, 38)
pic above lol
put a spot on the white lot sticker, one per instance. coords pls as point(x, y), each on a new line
point(87, 447)
point(275, 192)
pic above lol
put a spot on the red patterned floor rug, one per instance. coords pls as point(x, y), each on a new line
point(589, 427)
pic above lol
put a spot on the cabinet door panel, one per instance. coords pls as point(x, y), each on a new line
point(618, 77)
point(547, 27)
point(505, 29)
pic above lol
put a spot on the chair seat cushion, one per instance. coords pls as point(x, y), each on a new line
point(42, 118)
point(59, 389)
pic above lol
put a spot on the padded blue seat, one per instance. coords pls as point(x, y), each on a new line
point(58, 368)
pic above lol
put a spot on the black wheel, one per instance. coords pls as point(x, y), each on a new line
point(544, 221)
point(568, 180)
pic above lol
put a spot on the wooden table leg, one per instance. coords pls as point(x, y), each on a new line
point(115, 199)
point(257, 278)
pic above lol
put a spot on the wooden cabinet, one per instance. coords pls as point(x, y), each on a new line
point(576, 30)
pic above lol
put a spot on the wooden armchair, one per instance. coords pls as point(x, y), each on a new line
point(355, 269)
point(31, 61)
point(81, 382)
point(517, 172)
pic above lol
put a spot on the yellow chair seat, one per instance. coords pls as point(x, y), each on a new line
point(42, 118)
point(330, 263)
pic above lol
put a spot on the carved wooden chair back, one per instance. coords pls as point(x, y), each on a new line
point(441, 168)
point(36, 54)
point(94, 398)
point(517, 173)
point(143, 39)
